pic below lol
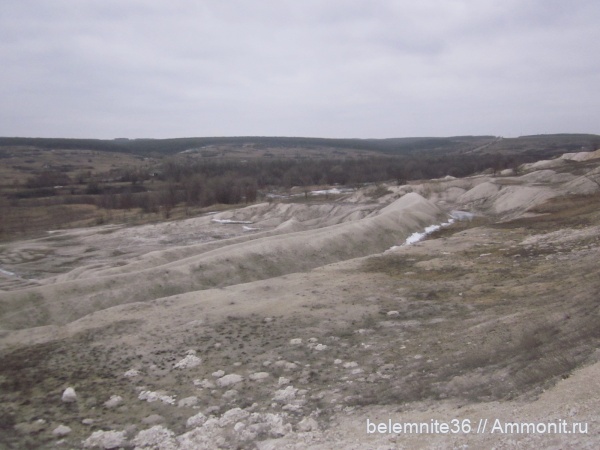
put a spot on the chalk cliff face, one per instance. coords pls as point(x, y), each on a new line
point(289, 325)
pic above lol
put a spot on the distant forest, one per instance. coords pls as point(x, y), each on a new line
point(185, 183)
point(535, 144)
point(172, 146)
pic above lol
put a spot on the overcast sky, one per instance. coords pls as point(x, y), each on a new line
point(322, 68)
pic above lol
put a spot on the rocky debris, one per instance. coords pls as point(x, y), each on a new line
point(201, 438)
point(233, 416)
point(267, 424)
point(106, 440)
point(320, 347)
point(218, 373)
point(258, 376)
point(229, 380)
point(132, 373)
point(205, 384)
point(61, 430)
point(285, 365)
point(307, 424)
point(231, 393)
point(88, 421)
point(188, 402)
point(282, 381)
point(297, 341)
point(393, 313)
point(285, 395)
point(151, 397)
point(114, 401)
point(188, 362)
point(69, 395)
point(157, 437)
point(237, 425)
point(349, 365)
point(196, 420)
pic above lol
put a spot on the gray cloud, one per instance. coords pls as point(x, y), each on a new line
point(108, 68)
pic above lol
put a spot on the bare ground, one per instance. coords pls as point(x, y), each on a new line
point(490, 318)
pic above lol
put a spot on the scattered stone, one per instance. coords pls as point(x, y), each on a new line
point(114, 401)
point(208, 436)
point(258, 376)
point(105, 439)
point(294, 406)
point(313, 340)
point(282, 381)
point(393, 313)
point(61, 430)
point(218, 345)
point(320, 347)
point(237, 364)
point(271, 424)
point(206, 384)
point(232, 393)
point(212, 409)
point(151, 397)
point(69, 395)
point(232, 416)
point(337, 361)
point(218, 374)
point(153, 419)
point(196, 420)
point(88, 421)
point(229, 380)
point(188, 402)
point(297, 341)
point(132, 373)
point(157, 437)
point(307, 424)
point(188, 362)
point(285, 395)
point(349, 365)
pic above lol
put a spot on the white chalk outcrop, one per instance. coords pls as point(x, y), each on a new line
point(196, 267)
